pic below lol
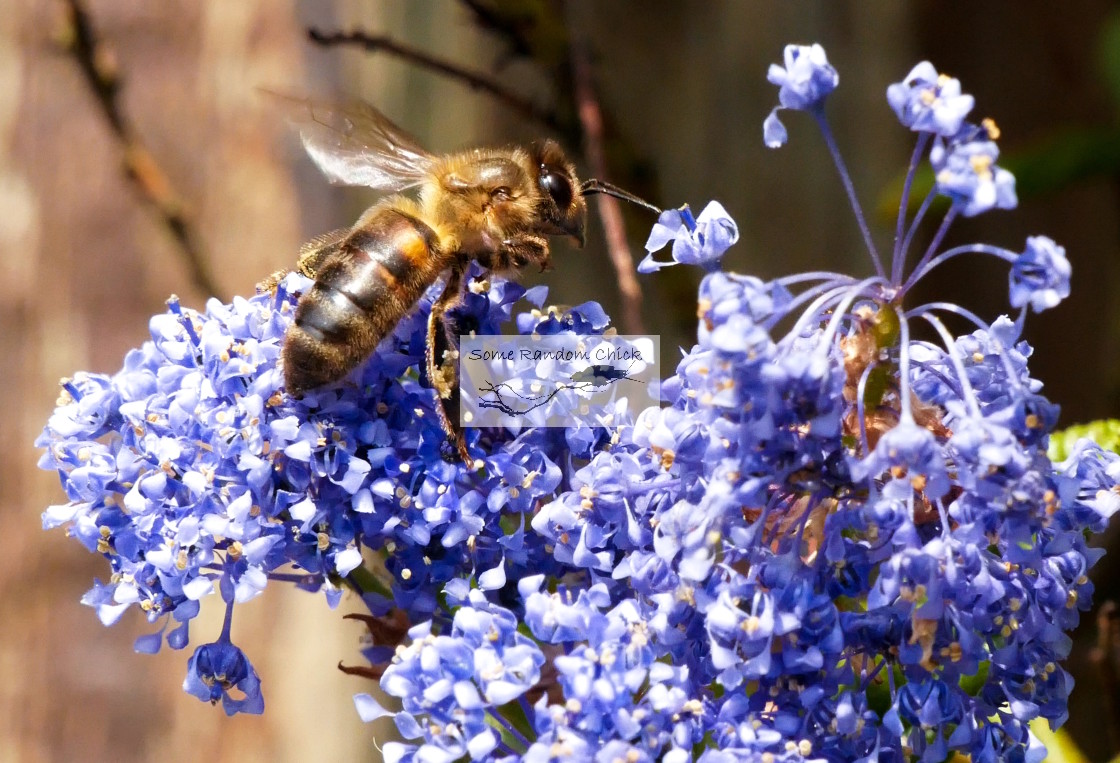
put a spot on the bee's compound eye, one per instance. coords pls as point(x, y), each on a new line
point(557, 187)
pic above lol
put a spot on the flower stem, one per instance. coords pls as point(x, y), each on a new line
point(846, 180)
point(508, 730)
point(996, 251)
point(920, 215)
point(966, 386)
point(950, 216)
point(899, 255)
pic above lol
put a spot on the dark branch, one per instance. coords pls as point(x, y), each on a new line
point(504, 27)
point(385, 44)
point(591, 119)
point(97, 66)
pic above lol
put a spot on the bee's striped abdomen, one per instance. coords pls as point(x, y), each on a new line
point(379, 271)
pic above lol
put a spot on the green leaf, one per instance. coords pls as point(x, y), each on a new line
point(1105, 433)
point(1059, 745)
point(972, 685)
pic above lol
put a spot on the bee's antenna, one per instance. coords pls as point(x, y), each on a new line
point(599, 186)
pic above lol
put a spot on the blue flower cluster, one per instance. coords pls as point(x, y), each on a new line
point(833, 541)
point(190, 470)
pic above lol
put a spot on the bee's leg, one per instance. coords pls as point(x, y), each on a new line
point(269, 284)
point(312, 256)
point(315, 253)
point(443, 363)
point(526, 249)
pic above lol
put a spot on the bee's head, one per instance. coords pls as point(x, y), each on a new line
point(562, 208)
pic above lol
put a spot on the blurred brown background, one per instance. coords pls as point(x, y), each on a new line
point(84, 261)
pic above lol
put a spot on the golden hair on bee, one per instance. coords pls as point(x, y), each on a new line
point(497, 207)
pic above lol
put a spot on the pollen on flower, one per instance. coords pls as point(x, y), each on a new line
point(667, 458)
point(981, 165)
point(954, 652)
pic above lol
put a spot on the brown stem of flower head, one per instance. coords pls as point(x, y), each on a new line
point(1106, 657)
point(98, 66)
point(385, 44)
point(389, 630)
point(591, 119)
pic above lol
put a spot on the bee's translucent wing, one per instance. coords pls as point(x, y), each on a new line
point(355, 144)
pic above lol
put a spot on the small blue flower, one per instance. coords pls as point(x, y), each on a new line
point(804, 82)
point(907, 452)
point(700, 241)
point(930, 102)
point(965, 170)
point(216, 669)
point(806, 78)
point(1040, 276)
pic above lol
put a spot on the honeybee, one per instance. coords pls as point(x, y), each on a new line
point(496, 207)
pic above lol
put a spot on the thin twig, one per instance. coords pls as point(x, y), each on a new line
point(513, 33)
point(591, 118)
point(96, 63)
point(383, 43)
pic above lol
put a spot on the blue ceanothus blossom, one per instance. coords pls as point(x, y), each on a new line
point(832, 542)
